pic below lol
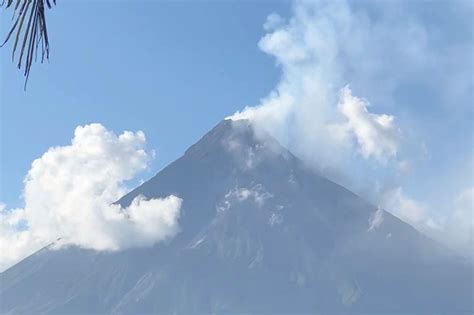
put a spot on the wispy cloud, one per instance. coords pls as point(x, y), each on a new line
point(408, 209)
point(312, 109)
point(378, 50)
point(376, 135)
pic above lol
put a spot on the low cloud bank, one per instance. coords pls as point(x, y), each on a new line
point(69, 194)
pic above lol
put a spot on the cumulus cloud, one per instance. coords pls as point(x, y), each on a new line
point(69, 193)
point(15, 243)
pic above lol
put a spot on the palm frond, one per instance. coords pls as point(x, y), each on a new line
point(29, 32)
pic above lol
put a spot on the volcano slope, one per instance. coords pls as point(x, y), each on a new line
point(259, 233)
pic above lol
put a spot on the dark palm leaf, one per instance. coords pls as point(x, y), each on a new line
point(29, 31)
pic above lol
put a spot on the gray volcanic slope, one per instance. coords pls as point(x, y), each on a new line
point(260, 233)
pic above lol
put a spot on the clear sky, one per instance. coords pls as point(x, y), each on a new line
point(175, 69)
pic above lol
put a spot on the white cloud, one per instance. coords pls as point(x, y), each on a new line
point(15, 243)
point(385, 53)
point(389, 53)
point(302, 111)
point(69, 194)
point(376, 135)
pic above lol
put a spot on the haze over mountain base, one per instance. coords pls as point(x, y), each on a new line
point(259, 233)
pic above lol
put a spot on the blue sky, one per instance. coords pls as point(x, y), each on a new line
point(174, 69)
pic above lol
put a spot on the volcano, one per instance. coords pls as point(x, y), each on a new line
point(260, 232)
